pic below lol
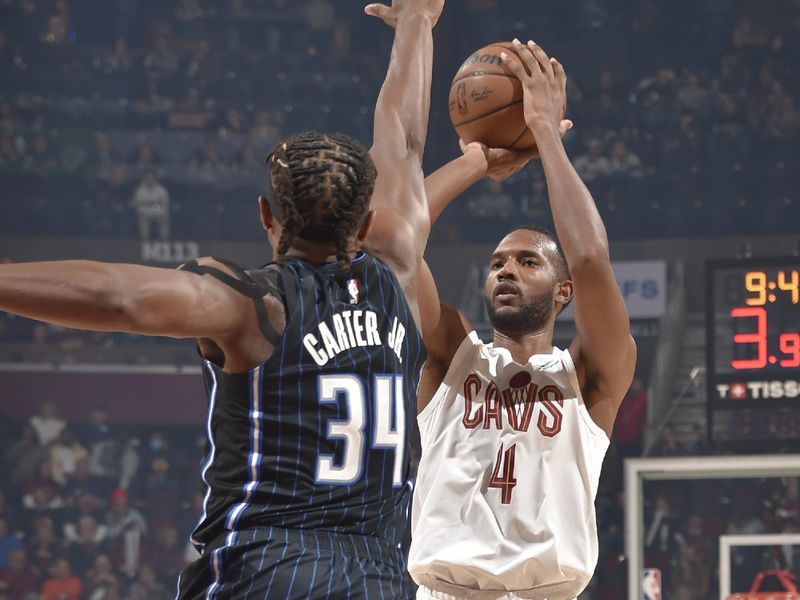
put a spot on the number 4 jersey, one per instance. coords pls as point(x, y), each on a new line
point(510, 466)
point(317, 437)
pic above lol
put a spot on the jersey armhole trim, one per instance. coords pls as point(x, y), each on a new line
point(467, 344)
point(583, 410)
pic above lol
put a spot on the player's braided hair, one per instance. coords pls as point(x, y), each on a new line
point(322, 184)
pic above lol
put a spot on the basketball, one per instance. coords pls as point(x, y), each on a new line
point(486, 101)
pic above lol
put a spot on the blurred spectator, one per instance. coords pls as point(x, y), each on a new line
point(151, 201)
point(47, 422)
point(232, 123)
point(8, 154)
point(784, 122)
point(765, 95)
point(656, 95)
point(20, 580)
point(208, 158)
point(129, 461)
point(319, 15)
point(692, 574)
point(166, 555)
point(145, 157)
point(264, 133)
point(699, 445)
point(623, 161)
point(631, 420)
point(10, 514)
point(118, 59)
point(43, 546)
point(41, 159)
point(62, 584)
point(152, 106)
point(660, 537)
point(42, 496)
point(83, 481)
point(111, 204)
point(40, 349)
point(592, 165)
point(127, 528)
point(247, 158)
point(65, 452)
point(161, 59)
point(607, 101)
point(8, 542)
point(85, 541)
point(535, 204)
point(189, 113)
point(103, 157)
point(101, 583)
point(22, 458)
point(667, 444)
point(202, 62)
point(122, 517)
point(492, 200)
point(692, 96)
point(147, 587)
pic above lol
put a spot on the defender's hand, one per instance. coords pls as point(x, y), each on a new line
point(501, 163)
point(390, 14)
point(544, 84)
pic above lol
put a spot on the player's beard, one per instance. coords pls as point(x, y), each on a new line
point(523, 319)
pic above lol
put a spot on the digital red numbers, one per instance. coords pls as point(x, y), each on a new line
point(790, 345)
point(758, 337)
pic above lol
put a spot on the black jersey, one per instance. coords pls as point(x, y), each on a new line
point(317, 437)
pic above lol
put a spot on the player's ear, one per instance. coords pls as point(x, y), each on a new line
point(365, 227)
point(564, 293)
point(265, 213)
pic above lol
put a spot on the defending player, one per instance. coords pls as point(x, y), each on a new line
point(514, 432)
point(312, 363)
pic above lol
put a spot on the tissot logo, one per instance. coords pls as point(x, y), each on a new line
point(758, 390)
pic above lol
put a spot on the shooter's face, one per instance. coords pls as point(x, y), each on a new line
point(521, 286)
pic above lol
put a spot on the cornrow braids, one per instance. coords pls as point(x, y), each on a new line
point(322, 185)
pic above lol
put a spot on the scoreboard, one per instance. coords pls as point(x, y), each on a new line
point(753, 347)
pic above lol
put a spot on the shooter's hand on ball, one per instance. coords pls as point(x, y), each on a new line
point(545, 88)
point(501, 163)
point(390, 14)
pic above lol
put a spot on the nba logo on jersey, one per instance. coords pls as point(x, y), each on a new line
point(354, 291)
point(651, 584)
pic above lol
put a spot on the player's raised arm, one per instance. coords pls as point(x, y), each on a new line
point(604, 350)
point(402, 224)
point(120, 297)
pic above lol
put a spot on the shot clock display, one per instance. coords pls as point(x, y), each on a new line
point(753, 335)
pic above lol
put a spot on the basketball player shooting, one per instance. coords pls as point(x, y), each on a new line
point(514, 432)
point(312, 363)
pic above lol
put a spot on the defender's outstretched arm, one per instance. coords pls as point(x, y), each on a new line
point(120, 297)
point(401, 225)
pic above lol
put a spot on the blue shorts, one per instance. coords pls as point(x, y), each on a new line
point(294, 564)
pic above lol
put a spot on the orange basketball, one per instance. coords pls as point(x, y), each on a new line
point(486, 101)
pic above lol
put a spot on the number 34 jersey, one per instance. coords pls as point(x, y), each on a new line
point(510, 466)
point(317, 437)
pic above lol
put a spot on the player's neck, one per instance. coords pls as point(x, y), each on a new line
point(317, 253)
point(524, 345)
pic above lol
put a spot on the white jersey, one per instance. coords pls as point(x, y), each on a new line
point(510, 465)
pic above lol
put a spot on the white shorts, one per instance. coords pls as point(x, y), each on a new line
point(424, 593)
